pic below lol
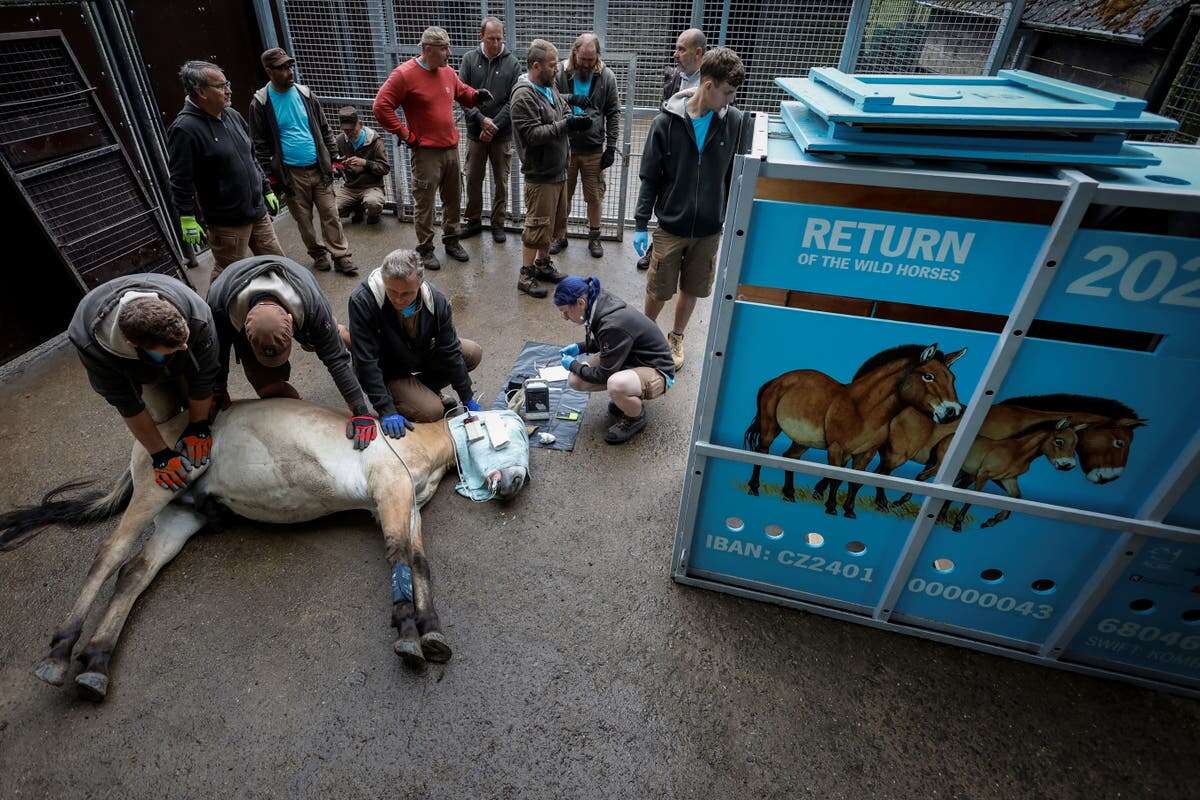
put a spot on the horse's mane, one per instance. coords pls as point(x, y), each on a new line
point(909, 351)
point(1046, 424)
point(1101, 406)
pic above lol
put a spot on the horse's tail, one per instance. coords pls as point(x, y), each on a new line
point(22, 524)
point(753, 437)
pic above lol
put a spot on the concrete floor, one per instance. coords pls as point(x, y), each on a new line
point(260, 663)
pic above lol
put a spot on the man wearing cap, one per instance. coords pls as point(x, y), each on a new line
point(260, 305)
point(294, 145)
point(489, 127)
point(364, 162)
point(425, 89)
point(213, 171)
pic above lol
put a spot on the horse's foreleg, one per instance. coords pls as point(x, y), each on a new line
point(148, 499)
point(859, 462)
point(1013, 489)
point(433, 642)
point(836, 457)
point(752, 484)
point(173, 526)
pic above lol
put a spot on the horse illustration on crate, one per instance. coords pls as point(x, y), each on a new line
point(850, 421)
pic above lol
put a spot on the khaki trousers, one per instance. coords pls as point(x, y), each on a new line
point(370, 200)
point(498, 153)
point(419, 397)
point(435, 171)
point(587, 167)
point(232, 243)
point(309, 190)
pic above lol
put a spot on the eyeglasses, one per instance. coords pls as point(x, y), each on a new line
point(221, 86)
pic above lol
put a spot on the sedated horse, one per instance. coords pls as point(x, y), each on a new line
point(1005, 460)
point(277, 461)
point(850, 421)
point(1103, 447)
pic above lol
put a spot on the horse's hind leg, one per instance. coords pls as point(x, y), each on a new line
point(148, 499)
point(173, 526)
point(768, 430)
point(859, 462)
point(789, 477)
point(1013, 489)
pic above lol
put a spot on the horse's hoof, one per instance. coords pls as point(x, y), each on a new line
point(92, 685)
point(958, 527)
point(831, 512)
point(51, 671)
point(752, 491)
point(849, 514)
point(410, 653)
point(435, 647)
point(789, 497)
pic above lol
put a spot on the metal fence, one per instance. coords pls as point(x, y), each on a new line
point(345, 48)
point(1183, 99)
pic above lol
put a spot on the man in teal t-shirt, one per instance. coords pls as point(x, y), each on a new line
point(295, 147)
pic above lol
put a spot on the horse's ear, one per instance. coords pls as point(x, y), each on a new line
point(1062, 425)
point(1127, 422)
point(929, 352)
point(955, 356)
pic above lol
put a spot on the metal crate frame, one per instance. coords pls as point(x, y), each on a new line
point(1074, 191)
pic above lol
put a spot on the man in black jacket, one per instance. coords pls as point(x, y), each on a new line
point(683, 74)
point(365, 162)
point(405, 347)
point(149, 347)
point(259, 305)
point(591, 90)
point(294, 146)
point(489, 127)
point(212, 162)
point(685, 171)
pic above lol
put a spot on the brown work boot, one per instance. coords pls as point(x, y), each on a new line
point(594, 246)
point(675, 340)
point(643, 263)
point(454, 249)
point(323, 263)
point(558, 245)
point(345, 265)
point(527, 283)
point(470, 227)
point(498, 234)
point(543, 270)
point(429, 260)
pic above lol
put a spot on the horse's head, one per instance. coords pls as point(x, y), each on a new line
point(507, 481)
point(928, 385)
point(489, 472)
point(1104, 448)
point(1059, 446)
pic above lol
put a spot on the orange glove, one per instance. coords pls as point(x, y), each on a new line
point(170, 469)
point(196, 442)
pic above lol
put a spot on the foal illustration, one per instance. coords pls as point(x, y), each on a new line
point(1005, 460)
point(850, 421)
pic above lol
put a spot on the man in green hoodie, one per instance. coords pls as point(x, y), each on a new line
point(685, 171)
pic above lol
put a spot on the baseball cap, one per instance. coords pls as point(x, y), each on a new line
point(276, 57)
point(268, 330)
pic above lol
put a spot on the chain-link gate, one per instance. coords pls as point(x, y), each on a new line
point(1183, 99)
point(346, 48)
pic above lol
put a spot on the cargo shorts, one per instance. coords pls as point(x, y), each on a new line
point(545, 213)
point(681, 263)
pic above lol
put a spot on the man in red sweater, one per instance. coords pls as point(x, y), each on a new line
point(425, 89)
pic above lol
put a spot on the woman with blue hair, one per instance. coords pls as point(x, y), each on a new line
point(622, 352)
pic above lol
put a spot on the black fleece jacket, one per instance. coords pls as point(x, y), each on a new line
point(383, 350)
point(625, 338)
point(212, 161)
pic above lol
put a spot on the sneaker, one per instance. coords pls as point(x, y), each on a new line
point(429, 261)
point(594, 246)
point(345, 265)
point(357, 216)
point(625, 429)
point(498, 234)
point(543, 270)
point(675, 340)
point(558, 245)
point(454, 249)
point(470, 228)
point(323, 263)
point(527, 283)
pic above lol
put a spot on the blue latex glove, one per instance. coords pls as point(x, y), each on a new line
point(641, 242)
point(567, 361)
point(473, 406)
point(395, 425)
point(570, 350)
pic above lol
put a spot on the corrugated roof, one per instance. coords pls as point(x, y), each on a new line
point(1126, 19)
